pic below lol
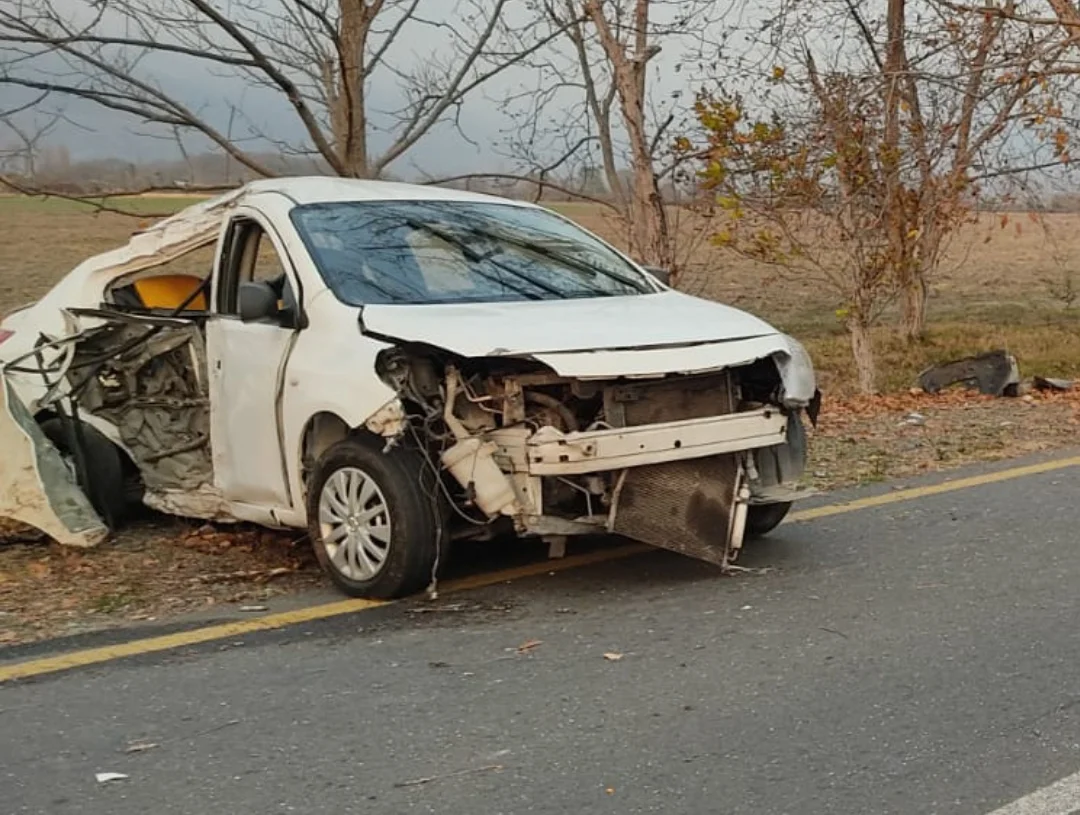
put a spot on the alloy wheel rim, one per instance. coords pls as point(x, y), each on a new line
point(354, 522)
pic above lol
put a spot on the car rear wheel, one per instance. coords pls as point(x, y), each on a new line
point(105, 485)
point(373, 519)
point(761, 519)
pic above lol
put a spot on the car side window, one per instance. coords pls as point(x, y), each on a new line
point(249, 256)
point(266, 264)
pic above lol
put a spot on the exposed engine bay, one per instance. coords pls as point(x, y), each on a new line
point(673, 461)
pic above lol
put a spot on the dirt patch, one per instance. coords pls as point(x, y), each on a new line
point(867, 439)
point(153, 570)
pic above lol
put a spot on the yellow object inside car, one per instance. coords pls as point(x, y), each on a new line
point(170, 291)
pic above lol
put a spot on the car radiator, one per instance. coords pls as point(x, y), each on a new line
point(686, 506)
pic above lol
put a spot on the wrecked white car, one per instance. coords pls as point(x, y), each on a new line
point(393, 367)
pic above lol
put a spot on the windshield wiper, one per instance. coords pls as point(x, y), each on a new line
point(558, 257)
point(480, 257)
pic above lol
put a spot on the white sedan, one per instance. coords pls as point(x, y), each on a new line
point(393, 367)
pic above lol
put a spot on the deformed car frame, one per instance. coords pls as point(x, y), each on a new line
point(421, 365)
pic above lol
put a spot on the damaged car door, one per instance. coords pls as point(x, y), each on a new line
point(249, 337)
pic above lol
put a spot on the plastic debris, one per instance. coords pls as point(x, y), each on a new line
point(995, 373)
point(1043, 383)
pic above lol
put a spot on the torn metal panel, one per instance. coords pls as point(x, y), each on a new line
point(37, 488)
point(152, 388)
point(162, 242)
point(205, 502)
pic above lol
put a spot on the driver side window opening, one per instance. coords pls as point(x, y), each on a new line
point(250, 257)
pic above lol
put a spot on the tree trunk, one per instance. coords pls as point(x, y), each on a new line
point(915, 291)
point(914, 308)
point(347, 110)
point(862, 348)
point(650, 238)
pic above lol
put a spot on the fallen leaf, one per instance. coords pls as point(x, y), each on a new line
point(140, 747)
point(613, 656)
point(528, 646)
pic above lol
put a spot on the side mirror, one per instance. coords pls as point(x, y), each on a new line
point(257, 301)
point(663, 275)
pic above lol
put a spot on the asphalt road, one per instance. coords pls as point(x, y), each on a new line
point(921, 657)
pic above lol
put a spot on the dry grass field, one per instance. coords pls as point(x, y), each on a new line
point(1001, 287)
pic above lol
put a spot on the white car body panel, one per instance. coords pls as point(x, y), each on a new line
point(666, 318)
point(246, 367)
point(85, 285)
point(648, 362)
point(642, 335)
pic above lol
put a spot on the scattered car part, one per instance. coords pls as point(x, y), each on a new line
point(994, 373)
point(1043, 383)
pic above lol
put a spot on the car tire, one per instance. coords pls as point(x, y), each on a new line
point(373, 518)
point(761, 519)
point(107, 487)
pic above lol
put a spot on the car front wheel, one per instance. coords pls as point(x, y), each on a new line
point(373, 519)
point(761, 519)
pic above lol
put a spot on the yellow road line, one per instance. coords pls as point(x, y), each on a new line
point(166, 642)
point(934, 489)
point(222, 631)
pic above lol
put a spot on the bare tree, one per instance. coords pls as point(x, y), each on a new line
point(595, 109)
point(313, 65)
point(885, 135)
point(25, 135)
point(971, 95)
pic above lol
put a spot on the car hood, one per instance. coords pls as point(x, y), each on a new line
point(641, 335)
point(536, 327)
